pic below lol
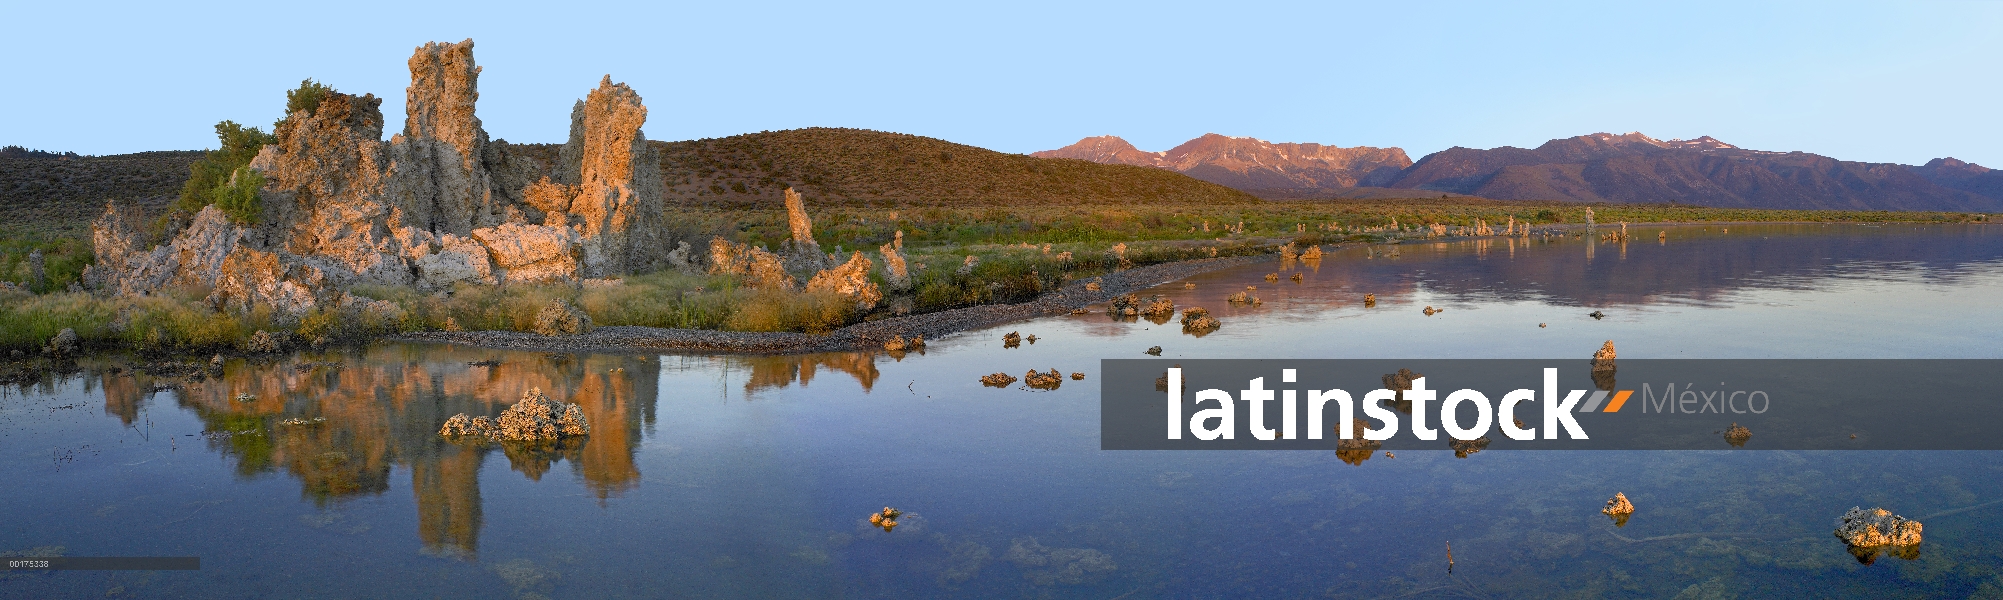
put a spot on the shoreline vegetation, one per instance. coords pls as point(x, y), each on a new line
point(1022, 255)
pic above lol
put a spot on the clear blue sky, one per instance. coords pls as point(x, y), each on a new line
point(1892, 82)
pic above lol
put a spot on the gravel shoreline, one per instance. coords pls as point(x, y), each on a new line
point(868, 335)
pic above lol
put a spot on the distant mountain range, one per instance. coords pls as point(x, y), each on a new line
point(1250, 164)
point(1629, 168)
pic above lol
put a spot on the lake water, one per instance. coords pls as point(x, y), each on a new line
point(754, 476)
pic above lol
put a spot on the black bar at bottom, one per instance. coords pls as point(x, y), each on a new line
point(104, 563)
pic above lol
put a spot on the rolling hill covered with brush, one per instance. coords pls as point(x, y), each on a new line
point(860, 167)
point(832, 167)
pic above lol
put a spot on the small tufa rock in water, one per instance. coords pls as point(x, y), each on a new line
point(1188, 286)
point(1126, 305)
point(1031, 338)
point(559, 317)
point(1153, 351)
point(1272, 277)
point(1737, 435)
point(886, 519)
point(1013, 339)
point(1043, 381)
point(1080, 311)
point(1159, 306)
point(1543, 325)
point(1870, 533)
point(997, 380)
point(1603, 359)
point(535, 418)
point(1430, 311)
point(1369, 300)
point(1197, 320)
point(1462, 448)
point(1077, 376)
point(896, 344)
point(1596, 315)
point(1618, 505)
point(1296, 278)
point(1619, 508)
point(1161, 383)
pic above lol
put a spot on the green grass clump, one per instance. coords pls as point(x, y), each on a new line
point(63, 260)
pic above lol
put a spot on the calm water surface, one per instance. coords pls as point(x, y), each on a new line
point(754, 476)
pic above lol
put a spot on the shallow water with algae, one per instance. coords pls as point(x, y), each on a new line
point(322, 474)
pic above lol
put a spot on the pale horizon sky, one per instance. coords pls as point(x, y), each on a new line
point(1878, 82)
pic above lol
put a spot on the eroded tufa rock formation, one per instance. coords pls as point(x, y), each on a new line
point(894, 270)
point(619, 208)
point(759, 267)
point(561, 318)
point(438, 204)
point(802, 252)
point(850, 280)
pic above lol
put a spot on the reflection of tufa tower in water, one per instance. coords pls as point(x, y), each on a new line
point(448, 501)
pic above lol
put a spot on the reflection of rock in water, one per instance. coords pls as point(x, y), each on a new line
point(448, 501)
point(1401, 382)
point(1603, 379)
point(1357, 449)
point(782, 371)
point(1876, 532)
point(533, 459)
point(1049, 566)
point(122, 393)
point(383, 409)
point(1463, 448)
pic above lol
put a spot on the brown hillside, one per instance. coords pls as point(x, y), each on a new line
point(855, 167)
